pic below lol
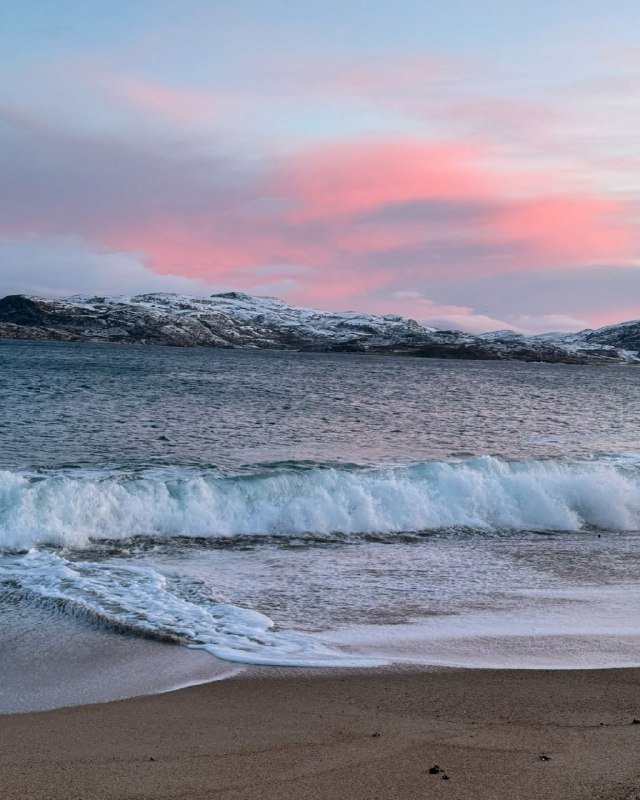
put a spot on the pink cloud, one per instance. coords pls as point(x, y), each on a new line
point(346, 208)
point(610, 316)
point(571, 228)
point(361, 219)
point(349, 178)
point(184, 106)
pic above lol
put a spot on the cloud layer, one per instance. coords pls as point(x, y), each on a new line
point(429, 199)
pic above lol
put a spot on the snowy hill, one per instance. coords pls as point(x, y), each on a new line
point(224, 320)
point(236, 320)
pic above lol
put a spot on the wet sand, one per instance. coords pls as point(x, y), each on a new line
point(291, 736)
point(49, 660)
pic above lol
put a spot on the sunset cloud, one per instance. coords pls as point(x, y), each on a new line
point(355, 219)
point(379, 181)
point(186, 107)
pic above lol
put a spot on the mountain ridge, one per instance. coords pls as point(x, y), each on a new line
point(238, 320)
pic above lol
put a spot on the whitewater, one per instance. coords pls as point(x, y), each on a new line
point(70, 509)
point(199, 510)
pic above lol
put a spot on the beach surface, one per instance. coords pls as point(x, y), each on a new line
point(286, 734)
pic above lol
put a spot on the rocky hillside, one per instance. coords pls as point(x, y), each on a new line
point(239, 320)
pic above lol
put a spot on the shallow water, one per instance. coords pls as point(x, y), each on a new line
point(305, 509)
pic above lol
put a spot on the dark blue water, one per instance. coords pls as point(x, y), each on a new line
point(103, 404)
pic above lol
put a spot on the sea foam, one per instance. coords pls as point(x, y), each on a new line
point(71, 508)
point(140, 600)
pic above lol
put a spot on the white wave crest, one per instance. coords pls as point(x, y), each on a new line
point(485, 493)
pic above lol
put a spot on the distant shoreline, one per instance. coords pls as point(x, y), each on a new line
point(237, 321)
point(337, 352)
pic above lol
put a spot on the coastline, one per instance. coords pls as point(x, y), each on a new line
point(285, 733)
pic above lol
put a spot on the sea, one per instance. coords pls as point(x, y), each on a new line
point(171, 516)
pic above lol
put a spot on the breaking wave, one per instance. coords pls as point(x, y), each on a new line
point(72, 508)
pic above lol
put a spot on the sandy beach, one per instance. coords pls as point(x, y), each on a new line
point(285, 734)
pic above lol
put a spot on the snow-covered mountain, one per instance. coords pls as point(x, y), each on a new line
point(239, 320)
point(224, 320)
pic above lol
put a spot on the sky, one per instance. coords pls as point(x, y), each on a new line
point(470, 165)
